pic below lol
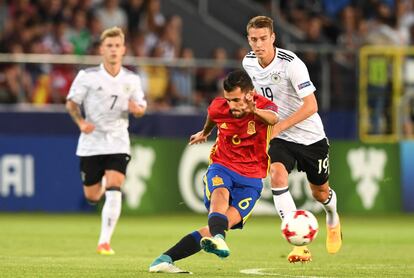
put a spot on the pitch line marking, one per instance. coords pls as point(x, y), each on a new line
point(263, 272)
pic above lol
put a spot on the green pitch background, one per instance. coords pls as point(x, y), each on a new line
point(56, 245)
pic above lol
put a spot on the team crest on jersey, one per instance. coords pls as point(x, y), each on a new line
point(127, 88)
point(251, 127)
point(217, 181)
point(223, 126)
point(275, 78)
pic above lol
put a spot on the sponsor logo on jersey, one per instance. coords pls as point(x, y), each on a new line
point(275, 78)
point(236, 139)
point(304, 85)
point(251, 127)
point(217, 181)
point(223, 126)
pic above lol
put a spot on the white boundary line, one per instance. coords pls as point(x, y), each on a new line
point(264, 272)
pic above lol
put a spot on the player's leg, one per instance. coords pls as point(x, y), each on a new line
point(111, 210)
point(91, 175)
point(115, 166)
point(327, 197)
point(218, 223)
point(188, 246)
point(283, 162)
point(282, 198)
point(315, 162)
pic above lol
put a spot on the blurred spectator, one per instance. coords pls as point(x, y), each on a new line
point(4, 16)
point(95, 28)
point(383, 32)
point(57, 42)
point(78, 34)
point(15, 84)
point(182, 82)
point(240, 53)
point(137, 45)
point(51, 11)
point(405, 19)
point(61, 79)
point(151, 23)
point(156, 82)
point(133, 10)
point(110, 14)
point(208, 80)
point(313, 59)
point(170, 38)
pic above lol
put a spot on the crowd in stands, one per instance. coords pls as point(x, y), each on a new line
point(74, 26)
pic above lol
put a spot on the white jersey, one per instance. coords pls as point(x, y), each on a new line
point(105, 102)
point(286, 82)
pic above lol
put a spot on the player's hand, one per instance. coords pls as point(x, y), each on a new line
point(198, 138)
point(276, 130)
point(251, 104)
point(135, 109)
point(86, 127)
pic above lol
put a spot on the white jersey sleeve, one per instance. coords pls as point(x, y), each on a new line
point(138, 93)
point(299, 76)
point(79, 88)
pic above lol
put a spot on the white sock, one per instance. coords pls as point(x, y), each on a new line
point(332, 218)
point(110, 214)
point(283, 201)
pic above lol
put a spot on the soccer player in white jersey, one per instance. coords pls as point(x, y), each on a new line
point(107, 93)
point(299, 137)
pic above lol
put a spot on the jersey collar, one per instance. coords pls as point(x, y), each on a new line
point(110, 76)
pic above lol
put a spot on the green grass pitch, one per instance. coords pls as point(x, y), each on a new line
point(63, 245)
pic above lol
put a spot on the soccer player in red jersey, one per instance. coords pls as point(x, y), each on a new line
point(233, 181)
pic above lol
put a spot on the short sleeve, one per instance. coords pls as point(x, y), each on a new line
point(299, 77)
point(79, 88)
point(138, 94)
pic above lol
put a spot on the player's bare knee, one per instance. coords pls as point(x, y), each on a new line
point(92, 199)
point(320, 194)
point(221, 193)
point(278, 180)
point(204, 231)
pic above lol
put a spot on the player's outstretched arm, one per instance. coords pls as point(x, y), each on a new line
point(75, 113)
point(267, 116)
point(136, 109)
point(201, 136)
point(308, 108)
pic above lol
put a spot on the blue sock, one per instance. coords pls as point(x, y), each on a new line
point(187, 246)
point(218, 224)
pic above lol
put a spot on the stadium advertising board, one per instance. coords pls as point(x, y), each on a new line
point(366, 176)
point(407, 174)
point(39, 173)
point(166, 175)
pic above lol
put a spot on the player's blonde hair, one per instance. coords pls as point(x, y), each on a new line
point(112, 32)
point(260, 21)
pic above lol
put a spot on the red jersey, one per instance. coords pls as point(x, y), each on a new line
point(241, 143)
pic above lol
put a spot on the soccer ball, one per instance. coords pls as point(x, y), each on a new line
point(299, 227)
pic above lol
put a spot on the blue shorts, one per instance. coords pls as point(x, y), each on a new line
point(244, 192)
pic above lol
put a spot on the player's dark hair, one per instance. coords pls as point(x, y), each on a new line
point(238, 78)
point(260, 22)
